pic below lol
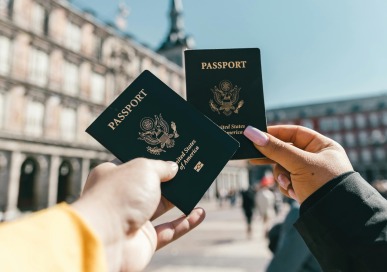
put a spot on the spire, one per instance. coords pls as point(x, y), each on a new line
point(122, 15)
point(176, 40)
point(177, 25)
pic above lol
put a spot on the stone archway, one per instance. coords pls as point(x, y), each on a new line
point(64, 182)
point(27, 184)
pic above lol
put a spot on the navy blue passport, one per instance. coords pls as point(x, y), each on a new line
point(226, 86)
point(150, 120)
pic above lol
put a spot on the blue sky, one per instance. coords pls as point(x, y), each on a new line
point(312, 50)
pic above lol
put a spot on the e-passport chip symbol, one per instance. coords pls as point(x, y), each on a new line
point(198, 166)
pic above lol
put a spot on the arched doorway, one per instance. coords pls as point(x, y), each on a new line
point(64, 182)
point(28, 172)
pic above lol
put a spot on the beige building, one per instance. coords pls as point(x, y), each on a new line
point(358, 124)
point(59, 68)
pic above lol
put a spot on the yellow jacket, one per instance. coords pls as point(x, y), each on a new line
point(52, 240)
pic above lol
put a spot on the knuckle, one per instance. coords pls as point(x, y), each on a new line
point(142, 163)
point(276, 147)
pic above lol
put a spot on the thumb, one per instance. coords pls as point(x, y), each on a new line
point(165, 170)
point(287, 155)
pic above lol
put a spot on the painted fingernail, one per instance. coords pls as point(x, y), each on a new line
point(283, 181)
point(256, 136)
point(292, 194)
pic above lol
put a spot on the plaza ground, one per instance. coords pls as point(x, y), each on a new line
point(218, 244)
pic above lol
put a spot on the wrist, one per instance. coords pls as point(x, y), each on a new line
point(104, 222)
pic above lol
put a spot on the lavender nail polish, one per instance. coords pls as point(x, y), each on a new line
point(256, 136)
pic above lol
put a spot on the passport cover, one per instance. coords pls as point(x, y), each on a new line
point(150, 120)
point(226, 85)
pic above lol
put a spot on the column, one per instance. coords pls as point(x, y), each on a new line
point(13, 190)
point(53, 180)
point(84, 171)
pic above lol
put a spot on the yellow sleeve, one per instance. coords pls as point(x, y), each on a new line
point(55, 239)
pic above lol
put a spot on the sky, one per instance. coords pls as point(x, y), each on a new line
point(312, 50)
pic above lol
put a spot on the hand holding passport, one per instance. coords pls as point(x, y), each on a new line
point(150, 120)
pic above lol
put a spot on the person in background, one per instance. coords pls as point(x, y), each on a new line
point(232, 196)
point(291, 253)
point(265, 201)
point(222, 196)
point(248, 205)
point(107, 229)
point(343, 219)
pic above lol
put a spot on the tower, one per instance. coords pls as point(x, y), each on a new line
point(176, 41)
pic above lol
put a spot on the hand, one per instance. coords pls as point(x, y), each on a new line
point(118, 203)
point(304, 160)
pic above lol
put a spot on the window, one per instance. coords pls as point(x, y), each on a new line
point(353, 156)
point(6, 8)
point(335, 123)
point(363, 138)
point(68, 124)
point(361, 121)
point(380, 154)
point(38, 72)
point(338, 138)
point(98, 43)
point(34, 119)
point(38, 18)
point(71, 81)
point(374, 119)
point(97, 88)
point(5, 53)
point(350, 139)
point(3, 7)
point(366, 155)
point(307, 123)
point(377, 137)
point(325, 124)
point(348, 122)
point(73, 36)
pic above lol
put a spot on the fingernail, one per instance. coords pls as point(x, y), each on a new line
point(173, 165)
point(256, 136)
point(283, 181)
point(292, 194)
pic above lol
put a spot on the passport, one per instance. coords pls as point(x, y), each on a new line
point(226, 86)
point(150, 120)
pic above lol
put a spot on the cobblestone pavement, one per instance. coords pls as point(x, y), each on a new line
point(218, 244)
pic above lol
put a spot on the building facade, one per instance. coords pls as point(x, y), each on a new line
point(59, 68)
point(359, 125)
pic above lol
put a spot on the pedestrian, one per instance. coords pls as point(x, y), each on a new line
point(265, 201)
point(248, 205)
point(222, 195)
point(343, 219)
point(232, 196)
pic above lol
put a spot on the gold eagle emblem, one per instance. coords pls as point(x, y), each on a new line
point(155, 132)
point(226, 97)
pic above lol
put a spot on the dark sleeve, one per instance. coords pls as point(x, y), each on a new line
point(291, 254)
point(346, 228)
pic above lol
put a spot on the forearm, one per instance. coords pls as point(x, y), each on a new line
point(55, 239)
point(346, 228)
